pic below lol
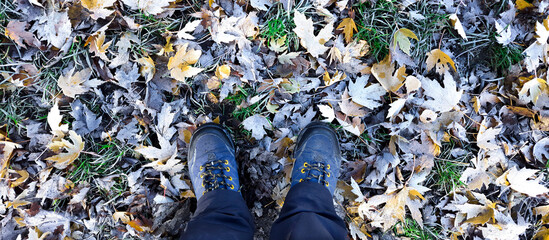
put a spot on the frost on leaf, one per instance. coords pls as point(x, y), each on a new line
point(370, 96)
point(73, 149)
point(443, 99)
point(383, 72)
point(77, 83)
point(305, 31)
point(532, 89)
point(440, 60)
point(148, 6)
point(54, 27)
point(518, 181)
point(180, 64)
point(257, 124)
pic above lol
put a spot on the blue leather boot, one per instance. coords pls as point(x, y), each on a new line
point(317, 156)
point(211, 160)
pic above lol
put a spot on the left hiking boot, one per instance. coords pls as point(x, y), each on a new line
point(211, 159)
point(317, 156)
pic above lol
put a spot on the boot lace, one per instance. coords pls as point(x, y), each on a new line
point(213, 175)
point(316, 172)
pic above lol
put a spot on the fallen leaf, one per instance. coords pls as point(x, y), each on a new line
point(278, 45)
point(54, 121)
point(77, 83)
point(350, 108)
point(383, 72)
point(152, 7)
point(179, 65)
point(370, 97)
point(16, 31)
point(522, 4)
point(532, 89)
point(222, 72)
point(189, 27)
point(349, 27)
point(401, 38)
point(445, 98)
point(147, 69)
point(64, 159)
point(305, 31)
point(518, 181)
point(257, 124)
point(98, 7)
point(338, 76)
point(439, 59)
point(457, 25)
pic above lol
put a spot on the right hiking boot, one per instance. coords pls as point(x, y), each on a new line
point(211, 160)
point(317, 156)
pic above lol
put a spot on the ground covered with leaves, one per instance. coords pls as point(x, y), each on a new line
point(442, 108)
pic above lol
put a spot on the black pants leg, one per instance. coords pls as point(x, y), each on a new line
point(308, 213)
point(220, 214)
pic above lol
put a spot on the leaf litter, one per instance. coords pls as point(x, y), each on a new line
point(444, 135)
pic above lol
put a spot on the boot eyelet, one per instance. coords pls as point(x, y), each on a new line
point(328, 174)
point(232, 186)
point(301, 180)
point(226, 162)
point(305, 164)
point(328, 167)
point(327, 184)
point(201, 168)
point(303, 170)
point(202, 175)
point(228, 169)
point(230, 178)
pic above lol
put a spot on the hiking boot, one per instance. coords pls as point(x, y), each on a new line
point(211, 160)
point(317, 156)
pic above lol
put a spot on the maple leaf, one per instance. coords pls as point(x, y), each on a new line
point(350, 108)
point(383, 72)
point(98, 46)
point(305, 31)
point(98, 7)
point(55, 28)
point(518, 181)
point(370, 96)
point(522, 4)
point(7, 151)
point(179, 65)
point(168, 47)
point(148, 6)
point(444, 98)
point(534, 88)
point(338, 76)
point(395, 202)
point(16, 31)
point(54, 120)
point(147, 69)
point(278, 45)
point(77, 83)
point(286, 58)
point(349, 27)
point(439, 59)
point(537, 52)
point(189, 27)
point(257, 124)
point(457, 25)
point(401, 38)
point(64, 159)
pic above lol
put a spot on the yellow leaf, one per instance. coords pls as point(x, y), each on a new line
point(522, 4)
point(222, 72)
point(7, 150)
point(168, 48)
point(457, 25)
point(75, 83)
point(278, 45)
point(24, 176)
point(62, 160)
point(122, 216)
point(439, 59)
point(147, 67)
point(187, 194)
point(338, 76)
point(98, 7)
point(17, 203)
point(542, 234)
point(349, 27)
point(535, 88)
point(383, 72)
point(98, 45)
point(483, 217)
point(179, 64)
point(402, 39)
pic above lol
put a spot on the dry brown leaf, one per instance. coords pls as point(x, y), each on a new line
point(349, 27)
point(439, 59)
point(395, 202)
point(7, 151)
point(16, 31)
point(24, 176)
point(350, 108)
point(98, 46)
